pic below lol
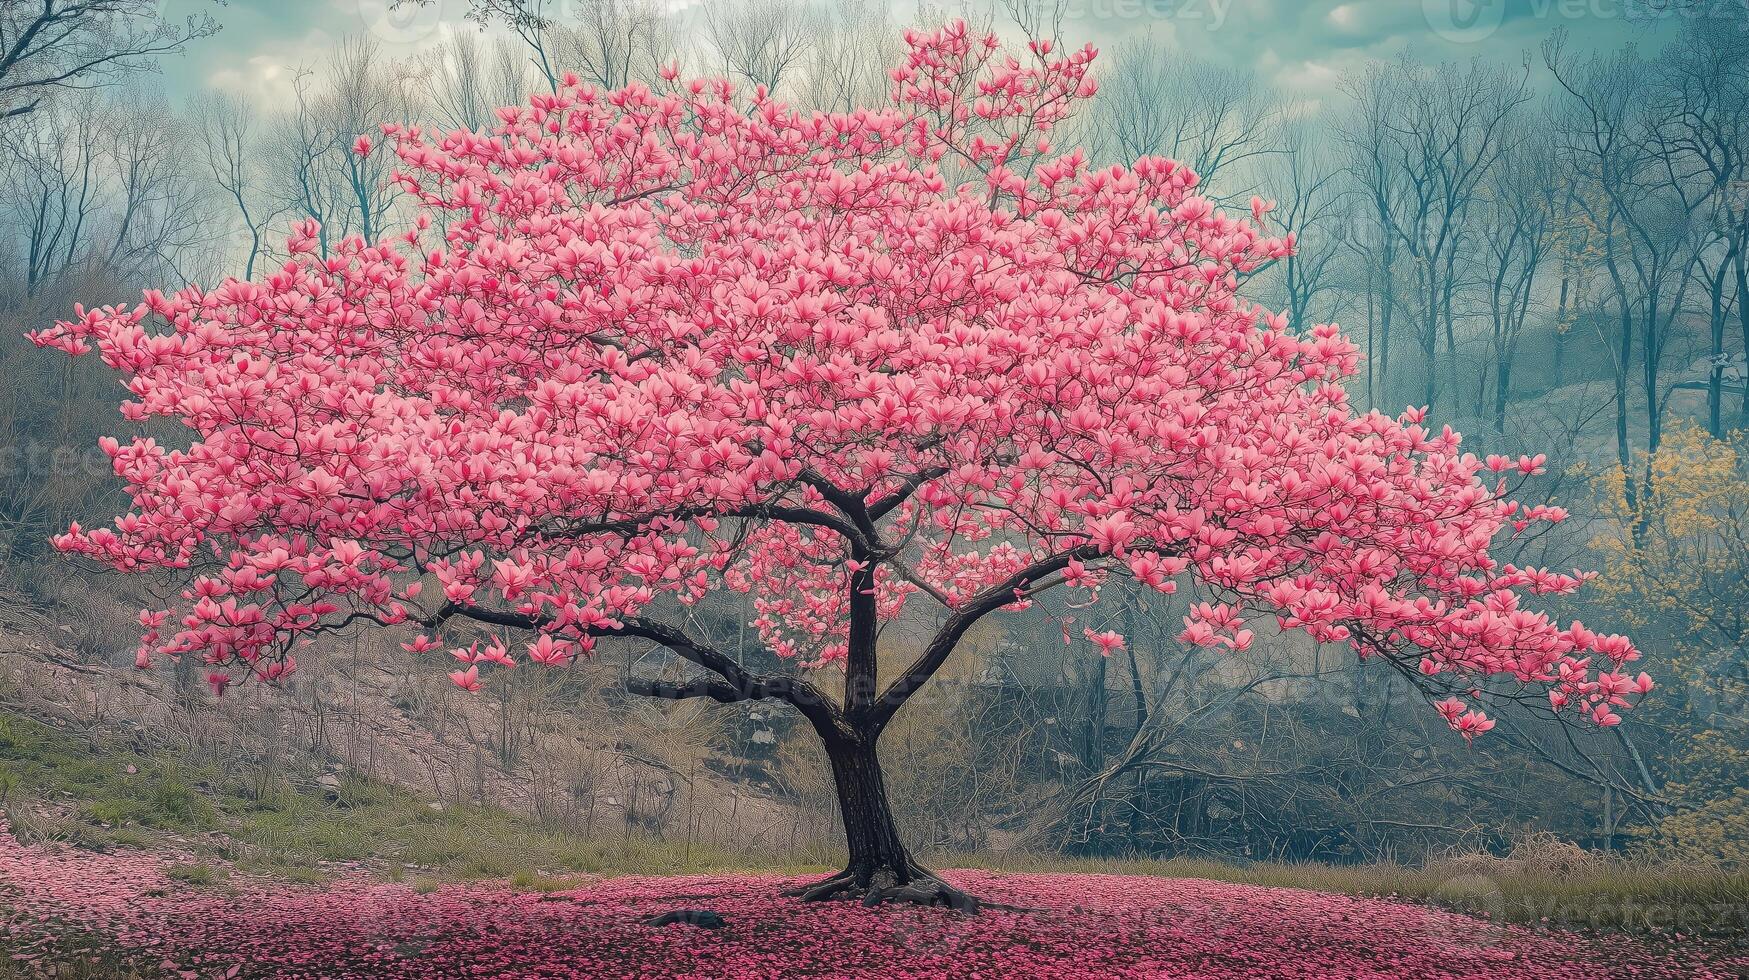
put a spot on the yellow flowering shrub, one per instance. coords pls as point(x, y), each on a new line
point(1676, 567)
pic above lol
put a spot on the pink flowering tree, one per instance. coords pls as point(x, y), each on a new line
point(646, 344)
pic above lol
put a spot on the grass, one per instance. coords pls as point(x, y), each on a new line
point(198, 873)
point(1605, 894)
point(77, 964)
point(307, 835)
point(36, 759)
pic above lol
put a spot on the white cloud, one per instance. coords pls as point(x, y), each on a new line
point(1309, 83)
point(265, 79)
point(1345, 17)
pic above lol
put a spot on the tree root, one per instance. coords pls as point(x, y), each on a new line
point(881, 888)
point(925, 891)
point(821, 890)
point(702, 918)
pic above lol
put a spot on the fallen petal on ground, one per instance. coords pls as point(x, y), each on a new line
point(57, 902)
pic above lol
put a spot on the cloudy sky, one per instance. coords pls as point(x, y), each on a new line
point(1305, 46)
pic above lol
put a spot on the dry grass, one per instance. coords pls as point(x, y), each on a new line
point(1542, 881)
point(60, 786)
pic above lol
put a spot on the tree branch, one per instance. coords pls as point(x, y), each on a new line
point(936, 653)
point(671, 691)
point(848, 503)
point(627, 527)
point(738, 684)
point(887, 504)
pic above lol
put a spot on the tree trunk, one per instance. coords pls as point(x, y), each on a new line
point(877, 855)
point(1743, 318)
point(1715, 379)
point(1093, 732)
point(1387, 300)
point(1502, 386)
point(1561, 327)
point(879, 868)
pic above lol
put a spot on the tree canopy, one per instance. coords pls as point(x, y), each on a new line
point(650, 342)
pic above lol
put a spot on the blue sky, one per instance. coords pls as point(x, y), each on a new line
point(1305, 46)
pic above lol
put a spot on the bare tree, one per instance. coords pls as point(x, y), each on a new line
point(1208, 117)
point(763, 42)
point(97, 184)
point(49, 46)
point(847, 67)
point(1305, 175)
point(612, 42)
point(1429, 139)
point(458, 73)
point(302, 180)
point(155, 211)
point(529, 20)
point(1518, 228)
point(53, 188)
point(469, 77)
point(367, 90)
point(1704, 137)
point(1040, 19)
point(231, 142)
point(1646, 202)
point(1379, 185)
point(320, 169)
point(608, 43)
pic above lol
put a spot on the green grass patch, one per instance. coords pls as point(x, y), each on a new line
point(107, 783)
point(308, 835)
point(199, 874)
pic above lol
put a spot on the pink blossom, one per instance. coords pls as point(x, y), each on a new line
point(468, 680)
point(669, 336)
point(1107, 641)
